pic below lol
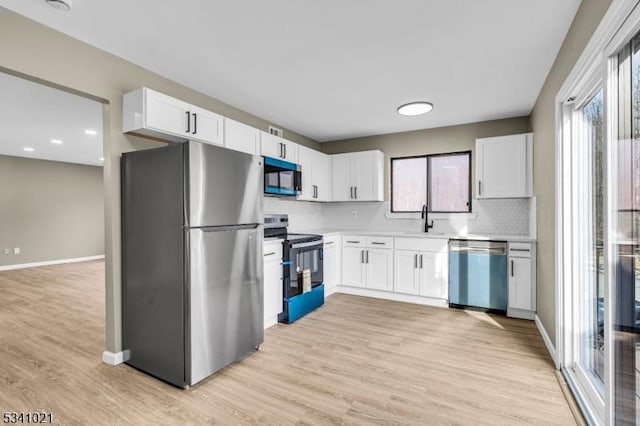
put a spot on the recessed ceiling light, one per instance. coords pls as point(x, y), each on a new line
point(29, 149)
point(64, 5)
point(415, 108)
point(56, 141)
point(90, 132)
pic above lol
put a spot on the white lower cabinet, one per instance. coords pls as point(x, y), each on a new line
point(353, 270)
point(421, 267)
point(273, 296)
point(331, 262)
point(421, 273)
point(407, 277)
point(522, 281)
point(379, 269)
point(367, 262)
point(434, 275)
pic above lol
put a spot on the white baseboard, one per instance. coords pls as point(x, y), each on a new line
point(328, 291)
point(397, 297)
point(268, 322)
point(50, 262)
point(521, 313)
point(115, 358)
point(547, 341)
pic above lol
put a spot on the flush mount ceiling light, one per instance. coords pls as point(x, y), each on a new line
point(90, 132)
point(29, 149)
point(415, 108)
point(56, 141)
point(64, 5)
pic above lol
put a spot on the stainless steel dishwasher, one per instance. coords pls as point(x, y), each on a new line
point(478, 275)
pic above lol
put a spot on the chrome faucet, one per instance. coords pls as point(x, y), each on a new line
point(425, 216)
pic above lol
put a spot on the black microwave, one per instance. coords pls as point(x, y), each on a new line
point(281, 177)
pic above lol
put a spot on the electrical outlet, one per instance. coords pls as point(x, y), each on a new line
point(16, 250)
point(354, 214)
point(6, 251)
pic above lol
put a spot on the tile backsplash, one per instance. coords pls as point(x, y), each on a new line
point(302, 214)
point(497, 216)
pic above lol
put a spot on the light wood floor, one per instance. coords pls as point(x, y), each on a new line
point(354, 361)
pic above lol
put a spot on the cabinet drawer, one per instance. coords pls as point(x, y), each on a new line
point(380, 242)
point(331, 241)
point(354, 241)
point(520, 249)
point(422, 244)
point(272, 251)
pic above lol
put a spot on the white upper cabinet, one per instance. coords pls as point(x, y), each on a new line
point(504, 166)
point(358, 176)
point(277, 147)
point(155, 114)
point(206, 126)
point(306, 160)
point(240, 137)
point(316, 169)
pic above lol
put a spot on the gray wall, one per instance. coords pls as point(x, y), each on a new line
point(584, 24)
point(51, 210)
point(43, 53)
point(429, 141)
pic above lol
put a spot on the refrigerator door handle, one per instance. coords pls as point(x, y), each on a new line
point(226, 227)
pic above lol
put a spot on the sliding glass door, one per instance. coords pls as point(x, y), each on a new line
point(625, 238)
point(598, 223)
point(591, 285)
point(584, 249)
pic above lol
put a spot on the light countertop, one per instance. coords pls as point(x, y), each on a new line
point(403, 234)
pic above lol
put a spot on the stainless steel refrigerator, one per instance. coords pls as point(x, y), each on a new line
point(192, 264)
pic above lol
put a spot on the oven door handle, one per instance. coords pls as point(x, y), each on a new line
point(318, 243)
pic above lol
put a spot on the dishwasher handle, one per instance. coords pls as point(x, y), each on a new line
point(478, 247)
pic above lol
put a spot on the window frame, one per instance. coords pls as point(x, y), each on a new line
point(428, 157)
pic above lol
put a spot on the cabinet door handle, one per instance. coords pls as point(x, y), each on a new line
point(195, 123)
point(512, 268)
point(479, 187)
point(367, 256)
point(354, 242)
point(378, 244)
point(361, 256)
point(269, 254)
point(420, 261)
point(188, 121)
point(355, 191)
point(415, 261)
point(326, 243)
point(517, 249)
point(284, 145)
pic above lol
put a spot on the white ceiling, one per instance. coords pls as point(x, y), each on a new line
point(334, 69)
point(31, 115)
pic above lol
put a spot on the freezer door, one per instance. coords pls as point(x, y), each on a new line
point(226, 296)
point(225, 186)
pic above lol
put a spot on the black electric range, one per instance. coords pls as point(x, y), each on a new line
point(302, 268)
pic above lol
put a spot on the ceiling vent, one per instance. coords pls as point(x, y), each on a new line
point(60, 4)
